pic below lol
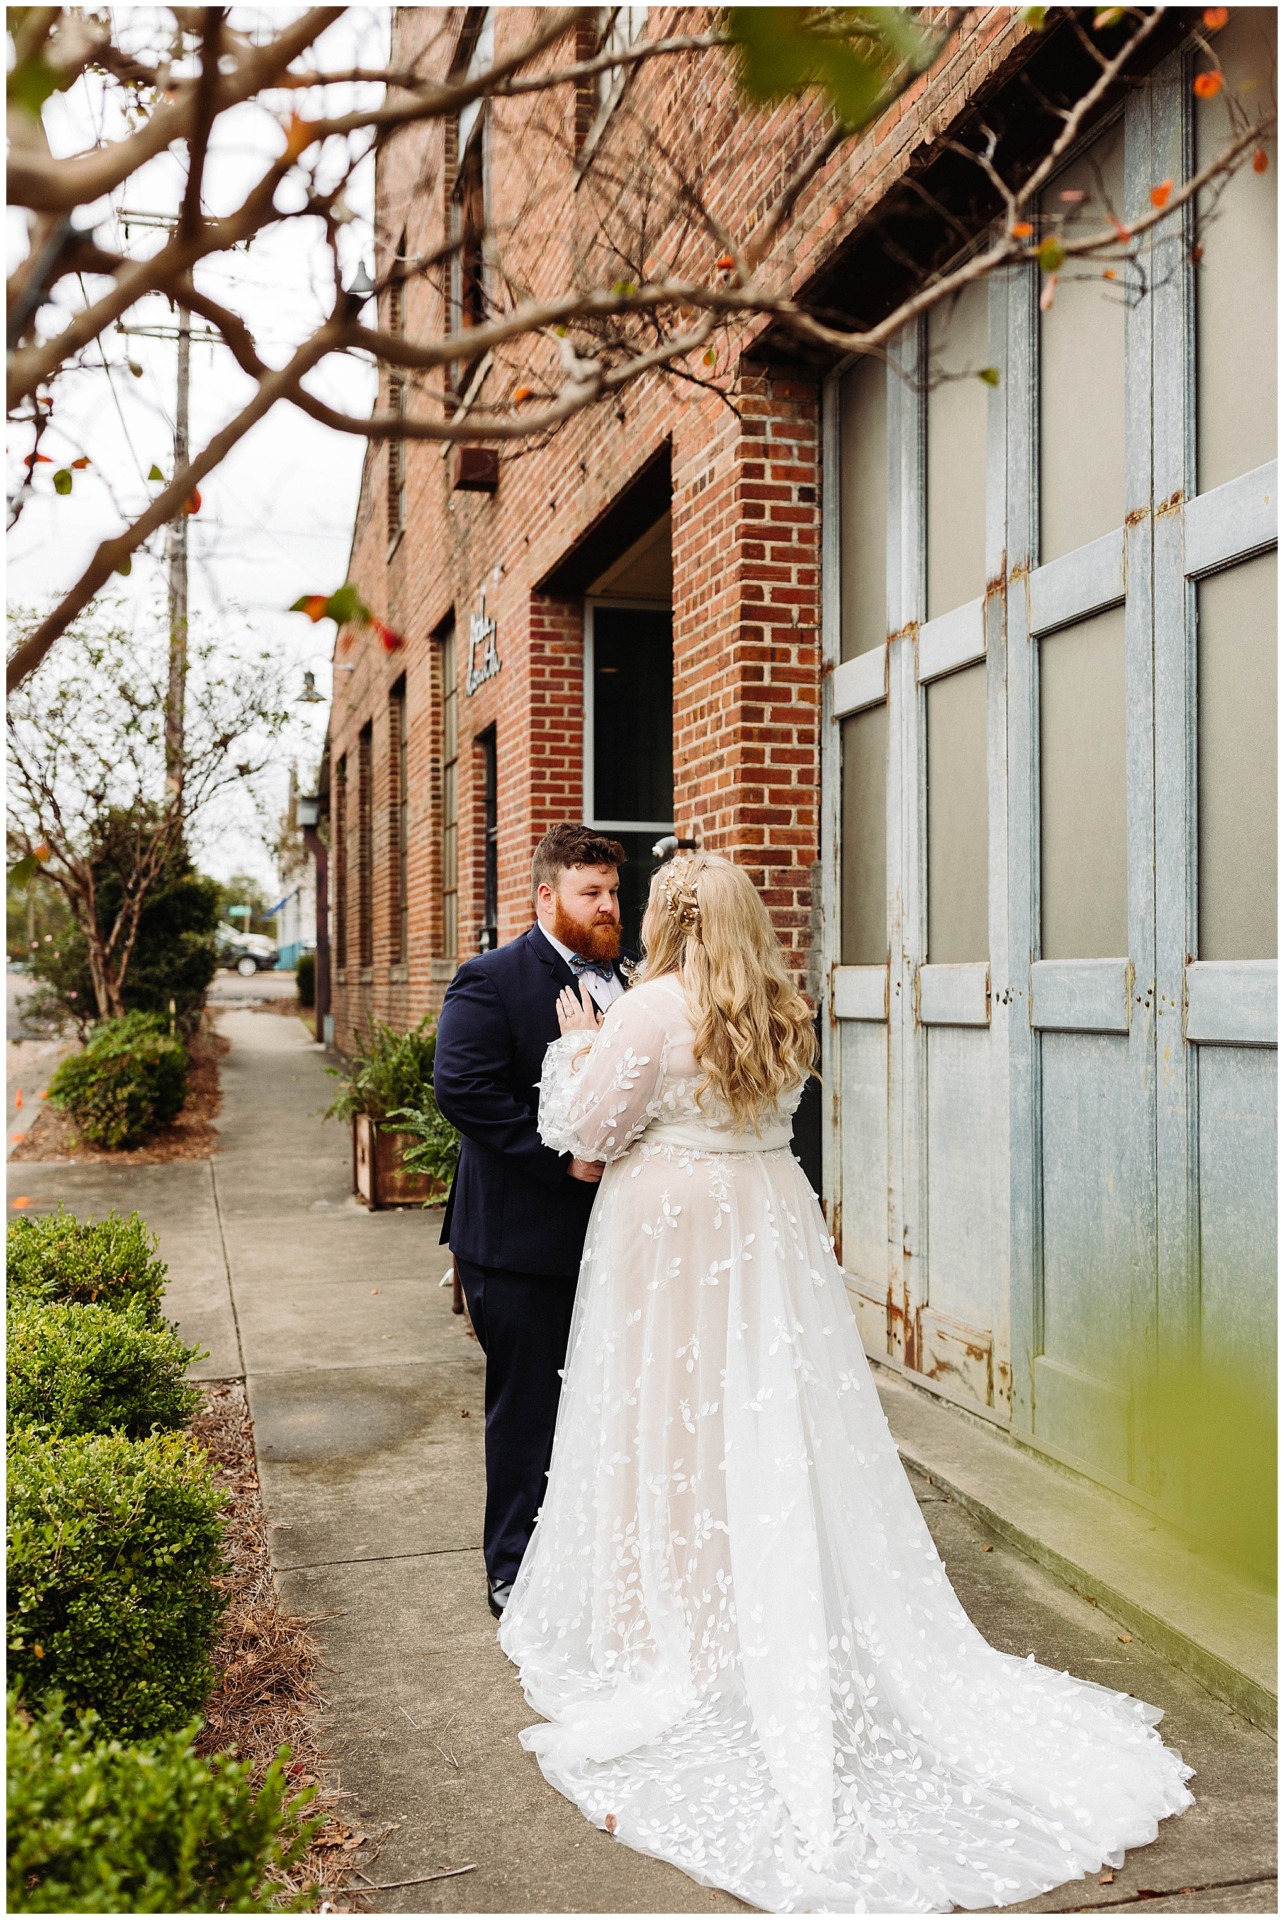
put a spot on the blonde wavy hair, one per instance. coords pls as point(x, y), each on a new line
point(754, 1037)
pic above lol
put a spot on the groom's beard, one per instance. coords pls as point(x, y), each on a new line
point(601, 941)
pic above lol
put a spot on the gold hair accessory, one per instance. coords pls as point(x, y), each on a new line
point(679, 893)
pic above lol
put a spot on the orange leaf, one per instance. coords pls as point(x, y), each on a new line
point(1196, 254)
point(611, 1823)
point(725, 263)
point(1261, 160)
point(1159, 196)
point(390, 639)
point(1022, 230)
point(1215, 17)
point(1209, 84)
point(1110, 274)
point(83, 462)
point(299, 135)
point(1049, 294)
point(21, 1200)
point(17, 1098)
point(1121, 231)
point(313, 604)
point(192, 504)
point(520, 394)
point(37, 460)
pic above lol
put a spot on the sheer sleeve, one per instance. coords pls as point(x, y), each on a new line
point(596, 1097)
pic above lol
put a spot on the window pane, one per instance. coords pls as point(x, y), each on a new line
point(1237, 762)
point(1081, 366)
point(863, 507)
point(1083, 791)
point(632, 714)
point(957, 818)
point(958, 343)
point(864, 841)
point(1235, 281)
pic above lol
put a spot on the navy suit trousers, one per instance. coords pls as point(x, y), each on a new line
point(522, 1322)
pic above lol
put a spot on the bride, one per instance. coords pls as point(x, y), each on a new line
point(732, 1618)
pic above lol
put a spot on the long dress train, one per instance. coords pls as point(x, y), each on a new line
point(732, 1618)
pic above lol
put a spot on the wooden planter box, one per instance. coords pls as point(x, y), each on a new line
point(377, 1174)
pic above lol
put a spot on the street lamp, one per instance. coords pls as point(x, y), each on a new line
point(311, 693)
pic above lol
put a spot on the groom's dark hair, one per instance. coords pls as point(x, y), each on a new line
point(567, 845)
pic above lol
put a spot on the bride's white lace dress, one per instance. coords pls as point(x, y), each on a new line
point(732, 1617)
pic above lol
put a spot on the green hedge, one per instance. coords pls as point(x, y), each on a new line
point(113, 1549)
point(98, 1262)
point(129, 1078)
point(99, 1827)
point(82, 1369)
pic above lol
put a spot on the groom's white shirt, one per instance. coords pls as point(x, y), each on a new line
point(602, 992)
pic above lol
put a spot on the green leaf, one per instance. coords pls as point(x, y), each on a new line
point(155, 473)
point(1051, 255)
point(23, 870)
point(62, 481)
point(31, 84)
point(990, 375)
point(1035, 17)
point(861, 59)
point(126, 566)
point(625, 287)
point(346, 604)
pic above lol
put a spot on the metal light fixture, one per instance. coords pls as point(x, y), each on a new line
point(310, 692)
point(360, 285)
point(666, 848)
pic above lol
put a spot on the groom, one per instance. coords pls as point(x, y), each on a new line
point(518, 1212)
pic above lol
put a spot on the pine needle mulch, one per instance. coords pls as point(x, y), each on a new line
point(192, 1135)
point(268, 1693)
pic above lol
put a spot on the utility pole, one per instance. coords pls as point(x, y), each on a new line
point(175, 699)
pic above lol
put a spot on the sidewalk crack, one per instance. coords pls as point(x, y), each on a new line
point(1145, 1895)
point(227, 1267)
point(377, 1559)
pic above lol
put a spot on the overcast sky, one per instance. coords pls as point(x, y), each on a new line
point(276, 517)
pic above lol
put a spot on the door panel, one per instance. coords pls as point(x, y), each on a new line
point(862, 1064)
point(1097, 1192)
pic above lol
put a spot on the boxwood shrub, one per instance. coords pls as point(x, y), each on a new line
point(113, 1549)
point(107, 1262)
point(97, 1826)
point(73, 1369)
point(129, 1078)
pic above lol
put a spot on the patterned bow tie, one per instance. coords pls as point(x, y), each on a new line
point(579, 965)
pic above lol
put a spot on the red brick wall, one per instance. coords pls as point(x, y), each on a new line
point(746, 515)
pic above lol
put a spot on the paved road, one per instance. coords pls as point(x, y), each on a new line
point(367, 1396)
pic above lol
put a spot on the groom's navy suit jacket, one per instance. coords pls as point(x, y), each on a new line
point(512, 1204)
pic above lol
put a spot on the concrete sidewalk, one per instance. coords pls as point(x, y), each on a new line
point(366, 1394)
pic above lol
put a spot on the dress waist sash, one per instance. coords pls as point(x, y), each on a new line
point(703, 1139)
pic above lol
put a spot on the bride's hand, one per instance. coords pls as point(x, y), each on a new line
point(576, 1012)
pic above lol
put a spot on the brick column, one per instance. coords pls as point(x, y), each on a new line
point(746, 563)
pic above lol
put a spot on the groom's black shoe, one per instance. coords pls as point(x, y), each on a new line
point(497, 1593)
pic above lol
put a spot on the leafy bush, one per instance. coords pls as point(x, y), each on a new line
point(174, 949)
point(78, 1369)
point(99, 1827)
point(129, 1078)
point(113, 1549)
point(389, 1070)
point(436, 1150)
point(108, 1262)
point(305, 979)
